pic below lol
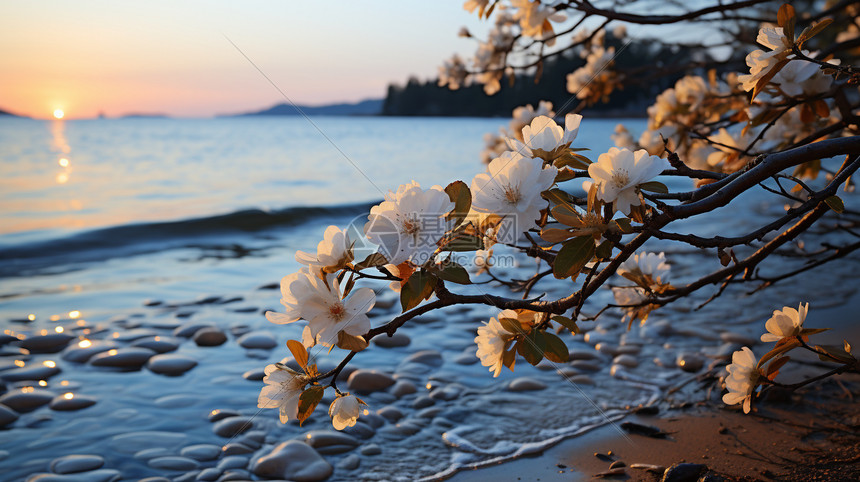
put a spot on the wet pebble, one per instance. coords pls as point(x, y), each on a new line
point(360, 430)
point(209, 337)
point(607, 348)
point(466, 359)
point(221, 414)
point(584, 365)
point(7, 415)
point(201, 452)
point(628, 350)
point(402, 388)
point(132, 335)
point(683, 472)
point(79, 353)
point(208, 474)
point(152, 453)
point(254, 375)
point(26, 399)
point(232, 426)
point(188, 330)
point(178, 400)
point(626, 360)
point(69, 402)
point(173, 463)
point(292, 460)
point(737, 338)
point(371, 449)
point(391, 413)
point(71, 464)
point(171, 364)
point(100, 475)
point(524, 384)
point(263, 340)
point(233, 462)
point(578, 354)
point(30, 372)
point(422, 402)
point(690, 362)
point(367, 381)
point(131, 443)
point(51, 343)
point(582, 379)
point(127, 357)
point(374, 420)
point(447, 393)
point(159, 344)
point(425, 357)
point(350, 462)
point(235, 448)
point(395, 341)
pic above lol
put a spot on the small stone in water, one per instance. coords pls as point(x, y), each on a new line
point(189, 329)
point(258, 339)
point(524, 384)
point(7, 415)
point(82, 351)
point(173, 463)
point(371, 449)
point(30, 372)
point(403, 387)
point(219, 414)
point(232, 426)
point(233, 462)
point(292, 460)
point(395, 341)
point(71, 401)
point(682, 472)
point(367, 381)
point(26, 399)
point(127, 357)
point(426, 357)
point(392, 413)
point(690, 362)
point(236, 448)
point(209, 474)
point(201, 452)
point(51, 343)
point(160, 344)
point(209, 337)
point(255, 375)
point(626, 360)
point(171, 364)
point(76, 463)
point(350, 462)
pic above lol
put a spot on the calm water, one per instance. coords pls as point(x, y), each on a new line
point(110, 229)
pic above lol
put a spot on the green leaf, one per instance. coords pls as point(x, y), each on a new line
point(511, 325)
point(654, 186)
point(836, 204)
point(573, 256)
point(300, 353)
point(567, 323)
point(556, 350)
point(460, 194)
point(604, 250)
point(418, 288)
point(454, 273)
point(375, 259)
point(531, 347)
point(308, 401)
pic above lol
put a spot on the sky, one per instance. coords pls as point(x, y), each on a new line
point(173, 57)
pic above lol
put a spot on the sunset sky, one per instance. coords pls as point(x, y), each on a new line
point(120, 57)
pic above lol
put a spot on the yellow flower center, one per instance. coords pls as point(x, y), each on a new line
point(337, 311)
point(512, 194)
point(620, 178)
point(410, 226)
point(592, 220)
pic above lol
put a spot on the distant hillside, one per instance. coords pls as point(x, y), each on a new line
point(365, 107)
point(4, 112)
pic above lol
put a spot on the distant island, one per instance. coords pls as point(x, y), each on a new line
point(6, 112)
point(364, 107)
point(141, 115)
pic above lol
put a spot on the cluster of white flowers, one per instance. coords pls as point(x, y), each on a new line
point(585, 82)
point(453, 73)
point(535, 18)
point(649, 271)
point(522, 116)
point(619, 172)
point(761, 62)
point(543, 134)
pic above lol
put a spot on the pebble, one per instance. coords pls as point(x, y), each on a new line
point(178, 400)
point(132, 335)
point(607, 348)
point(395, 341)
point(152, 453)
point(367, 381)
point(690, 362)
point(209, 474)
point(683, 472)
point(232, 426)
point(628, 350)
point(189, 329)
point(360, 430)
point(7, 415)
point(447, 393)
point(127, 357)
point(236, 448)
point(31, 372)
point(159, 344)
point(78, 354)
point(173, 463)
point(575, 354)
point(171, 364)
point(131, 443)
point(392, 413)
point(350, 462)
point(371, 449)
point(402, 388)
point(330, 442)
point(51, 343)
point(71, 464)
point(76, 402)
point(292, 460)
point(201, 452)
point(254, 375)
point(209, 337)
point(374, 420)
point(582, 379)
point(219, 414)
point(422, 402)
point(26, 399)
point(626, 360)
point(233, 462)
point(155, 479)
point(466, 359)
point(524, 384)
point(263, 340)
point(584, 365)
point(426, 357)
point(100, 475)
point(730, 337)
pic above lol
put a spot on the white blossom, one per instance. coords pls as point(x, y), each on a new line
point(282, 390)
point(785, 323)
point(320, 302)
point(761, 62)
point(344, 411)
point(742, 379)
point(619, 171)
point(534, 18)
point(409, 223)
point(652, 265)
point(580, 80)
point(491, 342)
point(622, 137)
point(632, 300)
point(453, 73)
point(333, 252)
point(543, 133)
point(511, 188)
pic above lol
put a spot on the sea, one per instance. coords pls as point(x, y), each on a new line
point(117, 234)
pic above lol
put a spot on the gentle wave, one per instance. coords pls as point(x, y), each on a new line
point(139, 238)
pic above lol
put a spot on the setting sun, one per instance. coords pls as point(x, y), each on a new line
point(58, 114)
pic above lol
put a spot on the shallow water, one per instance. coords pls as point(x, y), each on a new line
point(78, 245)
